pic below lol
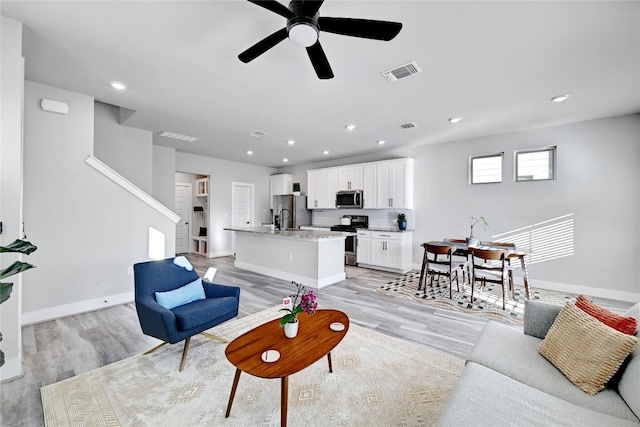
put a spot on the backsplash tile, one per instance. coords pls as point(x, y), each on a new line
point(378, 218)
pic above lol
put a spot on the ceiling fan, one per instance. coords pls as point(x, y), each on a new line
point(304, 25)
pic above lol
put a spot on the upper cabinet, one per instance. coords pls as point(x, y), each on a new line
point(202, 187)
point(386, 185)
point(279, 184)
point(394, 184)
point(350, 177)
point(322, 185)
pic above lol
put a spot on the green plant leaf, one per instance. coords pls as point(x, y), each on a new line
point(20, 246)
point(15, 268)
point(5, 293)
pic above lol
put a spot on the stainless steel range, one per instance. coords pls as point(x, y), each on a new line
point(351, 242)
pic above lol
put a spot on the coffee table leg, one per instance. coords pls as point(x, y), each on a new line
point(330, 366)
point(233, 391)
point(284, 397)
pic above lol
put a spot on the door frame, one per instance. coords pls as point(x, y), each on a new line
point(252, 189)
point(189, 212)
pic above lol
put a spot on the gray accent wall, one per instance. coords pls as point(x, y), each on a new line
point(126, 150)
point(88, 230)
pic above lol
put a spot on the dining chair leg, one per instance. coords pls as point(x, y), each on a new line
point(504, 295)
point(422, 270)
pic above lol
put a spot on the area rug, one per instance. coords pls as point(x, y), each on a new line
point(487, 303)
point(377, 380)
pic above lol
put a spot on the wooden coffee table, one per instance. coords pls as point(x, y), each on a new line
point(314, 341)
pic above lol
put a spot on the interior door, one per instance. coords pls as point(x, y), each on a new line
point(182, 207)
point(241, 206)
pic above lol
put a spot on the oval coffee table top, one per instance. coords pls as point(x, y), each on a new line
point(315, 340)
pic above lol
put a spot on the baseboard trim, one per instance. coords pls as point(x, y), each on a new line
point(38, 316)
point(219, 254)
point(574, 289)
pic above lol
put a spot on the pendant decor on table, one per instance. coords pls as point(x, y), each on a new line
point(303, 300)
point(291, 329)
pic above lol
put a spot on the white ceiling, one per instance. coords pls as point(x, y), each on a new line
point(494, 63)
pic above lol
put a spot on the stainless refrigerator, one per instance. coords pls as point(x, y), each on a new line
point(291, 211)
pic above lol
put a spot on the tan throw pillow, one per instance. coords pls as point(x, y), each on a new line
point(585, 350)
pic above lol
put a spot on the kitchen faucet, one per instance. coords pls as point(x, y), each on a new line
point(281, 217)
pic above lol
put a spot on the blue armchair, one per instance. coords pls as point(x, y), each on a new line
point(184, 321)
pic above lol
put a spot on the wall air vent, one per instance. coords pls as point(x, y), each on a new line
point(401, 72)
point(408, 125)
point(257, 134)
point(173, 135)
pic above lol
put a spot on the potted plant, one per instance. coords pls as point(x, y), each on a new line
point(304, 300)
point(472, 241)
point(402, 221)
point(17, 246)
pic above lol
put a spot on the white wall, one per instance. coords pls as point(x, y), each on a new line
point(126, 150)
point(597, 182)
point(11, 179)
point(164, 167)
point(88, 229)
point(222, 173)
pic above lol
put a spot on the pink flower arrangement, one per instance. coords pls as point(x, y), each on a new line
point(307, 304)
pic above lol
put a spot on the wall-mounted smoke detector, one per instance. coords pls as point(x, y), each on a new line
point(181, 137)
point(410, 125)
point(257, 134)
point(401, 72)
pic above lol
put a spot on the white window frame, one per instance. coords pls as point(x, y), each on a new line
point(485, 156)
point(553, 172)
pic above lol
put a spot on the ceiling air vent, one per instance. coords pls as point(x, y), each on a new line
point(408, 125)
point(401, 72)
point(257, 134)
point(173, 135)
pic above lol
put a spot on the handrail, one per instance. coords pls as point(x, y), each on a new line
point(131, 188)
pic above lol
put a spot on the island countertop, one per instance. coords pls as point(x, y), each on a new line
point(293, 233)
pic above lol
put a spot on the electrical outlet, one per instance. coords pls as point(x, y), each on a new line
point(129, 271)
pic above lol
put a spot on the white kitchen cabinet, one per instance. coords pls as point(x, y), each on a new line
point(279, 184)
point(363, 252)
point(394, 184)
point(350, 177)
point(389, 250)
point(321, 188)
point(369, 185)
point(202, 187)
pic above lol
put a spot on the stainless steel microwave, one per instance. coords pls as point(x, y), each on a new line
point(351, 199)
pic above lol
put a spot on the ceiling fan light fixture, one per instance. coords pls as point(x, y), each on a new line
point(303, 34)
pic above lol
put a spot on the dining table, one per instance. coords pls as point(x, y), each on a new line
point(513, 253)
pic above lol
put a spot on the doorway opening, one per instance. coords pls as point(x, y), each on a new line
point(192, 205)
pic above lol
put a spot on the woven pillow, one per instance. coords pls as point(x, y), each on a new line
point(585, 350)
point(626, 325)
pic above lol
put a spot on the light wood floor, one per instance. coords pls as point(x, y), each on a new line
point(62, 348)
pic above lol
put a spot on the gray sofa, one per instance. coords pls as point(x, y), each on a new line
point(506, 382)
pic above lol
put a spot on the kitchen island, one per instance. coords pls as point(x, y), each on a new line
point(314, 258)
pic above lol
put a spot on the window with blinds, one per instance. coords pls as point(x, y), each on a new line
point(535, 165)
point(485, 169)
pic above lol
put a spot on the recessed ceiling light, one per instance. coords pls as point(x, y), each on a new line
point(285, 160)
point(560, 98)
point(455, 119)
point(351, 126)
point(325, 152)
point(381, 141)
point(117, 85)
point(291, 142)
point(249, 152)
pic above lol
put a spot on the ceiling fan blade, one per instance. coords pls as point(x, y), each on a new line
point(319, 61)
point(275, 7)
point(311, 7)
point(365, 28)
point(262, 46)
